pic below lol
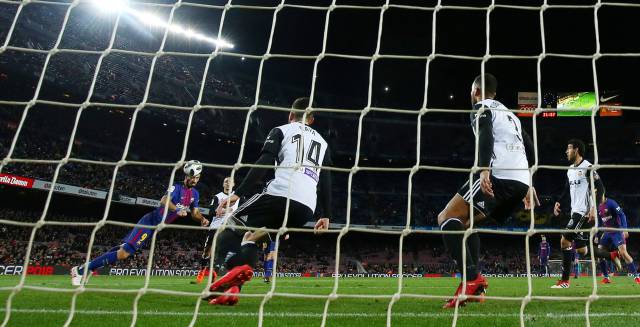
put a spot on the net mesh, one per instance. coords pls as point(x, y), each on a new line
point(400, 292)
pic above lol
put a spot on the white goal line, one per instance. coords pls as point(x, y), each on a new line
point(330, 314)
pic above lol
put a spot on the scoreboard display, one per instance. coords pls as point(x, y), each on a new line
point(576, 104)
point(568, 104)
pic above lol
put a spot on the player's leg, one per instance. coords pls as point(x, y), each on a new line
point(546, 268)
point(132, 242)
point(622, 250)
point(205, 259)
point(108, 257)
point(567, 260)
point(261, 213)
point(576, 265)
point(602, 253)
point(455, 218)
point(240, 261)
point(228, 245)
point(267, 212)
point(604, 265)
point(268, 264)
point(566, 246)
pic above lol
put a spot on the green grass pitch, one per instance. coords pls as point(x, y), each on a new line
point(40, 308)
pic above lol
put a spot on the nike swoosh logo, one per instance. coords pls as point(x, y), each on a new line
point(602, 99)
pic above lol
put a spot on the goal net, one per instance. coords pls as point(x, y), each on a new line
point(107, 99)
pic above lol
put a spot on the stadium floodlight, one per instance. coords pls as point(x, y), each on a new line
point(148, 18)
point(111, 6)
point(153, 20)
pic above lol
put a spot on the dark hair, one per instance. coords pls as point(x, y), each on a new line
point(301, 103)
point(578, 144)
point(490, 83)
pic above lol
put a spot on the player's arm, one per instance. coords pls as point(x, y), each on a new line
point(195, 211)
point(598, 185)
point(172, 206)
point(324, 193)
point(623, 221)
point(197, 216)
point(615, 207)
point(529, 149)
point(562, 199)
point(214, 202)
point(485, 149)
point(268, 156)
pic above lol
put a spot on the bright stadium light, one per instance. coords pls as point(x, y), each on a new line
point(156, 21)
point(148, 19)
point(111, 6)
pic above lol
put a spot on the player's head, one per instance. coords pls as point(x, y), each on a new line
point(575, 150)
point(490, 88)
point(296, 116)
point(192, 170)
point(544, 238)
point(227, 184)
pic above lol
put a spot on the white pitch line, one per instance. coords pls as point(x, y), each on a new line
point(331, 314)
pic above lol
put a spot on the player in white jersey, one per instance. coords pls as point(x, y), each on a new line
point(216, 221)
point(578, 188)
point(299, 152)
point(496, 192)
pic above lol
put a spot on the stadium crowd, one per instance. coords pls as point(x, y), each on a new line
point(181, 249)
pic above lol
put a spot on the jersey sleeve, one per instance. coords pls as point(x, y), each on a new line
point(599, 186)
point(268, 155)
point(324, 187)
point(214, 202)
point(615, 207)
point(196, 199)
point(485, 138)
point(174, 193)
point(272, 143)
point(529, 149)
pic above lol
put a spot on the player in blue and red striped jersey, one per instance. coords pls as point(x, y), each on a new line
point(543, 255)
point(181, 197)
point(610, 215)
